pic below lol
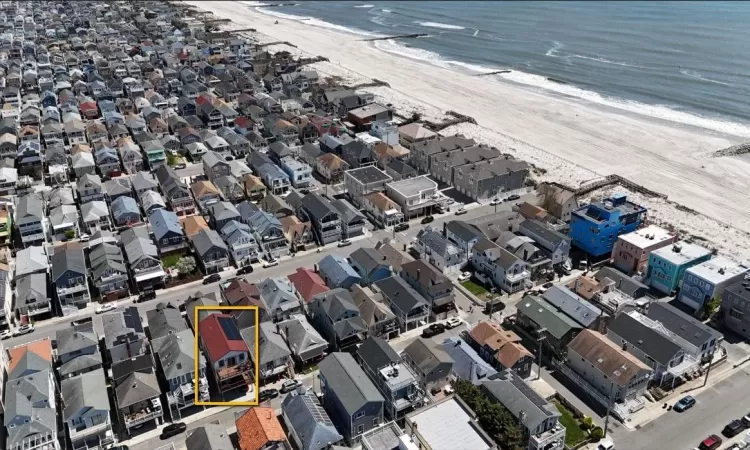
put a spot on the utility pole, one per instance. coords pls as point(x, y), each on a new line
point(492, 301)
point(541, 340)
point(609, 408)
point(705, 380)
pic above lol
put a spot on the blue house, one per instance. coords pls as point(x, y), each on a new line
point(707, 280)
point(370, 264)
point(467, 364)
point(594, 228)
point(337, 273)
point(667, 265)
point(125, 211)
point(168, 233)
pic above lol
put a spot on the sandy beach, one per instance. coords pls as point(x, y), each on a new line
point(572, 139)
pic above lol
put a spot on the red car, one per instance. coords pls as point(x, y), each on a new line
point(710, 443)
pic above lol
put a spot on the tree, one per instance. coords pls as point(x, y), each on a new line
point(547, 197)
point(494, 418)
point(711, 306)
point(186, 265)
point(69, 234)
point(597, 433)
point(587, 423)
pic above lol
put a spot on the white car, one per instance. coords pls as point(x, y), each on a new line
point(271, 263)
point(464, 276)
point(111, 306)
point(24, 329)
point(6, 334)
point(453, 322)
point(84, 238)
point(495, 201)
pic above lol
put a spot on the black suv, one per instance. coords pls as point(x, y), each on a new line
point(427, 220)
point(401, 227)
point(173, 430)
point(213, 278)
point(244, 270)
point(146, 296)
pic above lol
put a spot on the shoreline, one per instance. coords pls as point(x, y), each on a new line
point(572, 139)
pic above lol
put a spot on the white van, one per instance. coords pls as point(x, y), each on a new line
point(606, 444)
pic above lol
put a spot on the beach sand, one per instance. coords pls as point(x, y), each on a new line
point(572, 139)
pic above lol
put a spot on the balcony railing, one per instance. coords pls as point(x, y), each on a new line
point(82, 431)
point(145, 415)
point(552, 439)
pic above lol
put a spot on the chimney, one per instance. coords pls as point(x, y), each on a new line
point(624, 346)
point(521, 416)
point(418, 273)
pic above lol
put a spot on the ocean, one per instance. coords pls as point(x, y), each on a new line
point(682, 61)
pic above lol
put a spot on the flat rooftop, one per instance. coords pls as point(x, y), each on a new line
point(681, 252)
point(448, 425)
point(397, 375)
point(382, 438)
point(647, 237)
point(369, 110)
point(413, 186)
point(369, 174)
point(717, 270)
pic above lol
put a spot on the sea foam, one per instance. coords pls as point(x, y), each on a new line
point(444, 26)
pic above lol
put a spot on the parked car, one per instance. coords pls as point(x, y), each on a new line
point(244, 270)
point(710, 443)
point(173, 429)
point(267, 394)
point(146, 296)
point(427, 220)
point(733, 428)
point(213, 278)
point(289, 385)
point(464, 276)
point(111, 306)
point(746, 420)
point(6, 334)
point(429, 332)
point(84, 238)
point(495, 201)
point(684, 403)
point(270, 263)
point(120, 447)
point(453, 322)
point(435, 329)
point(514, 197)
point(460, 211)
point(24, 329)
point(344, 243)
point(494, 306)
point(401, 227)
point(606, 444)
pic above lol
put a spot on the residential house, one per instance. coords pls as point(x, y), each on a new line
point(215, 166)
point(409, 307)
point(108, 270)
point(735, 308)
point(447, 423)
point(307, 283)
point(275, 179)
point(463, 235)
point(555, 245)
point(433, 247)
point(226, 352)
point(506, 270)
point(32, 299)
point(62, 220)
point(137, 392)
point(279, 296)
point(538, 418)
point(176, 354)
point(352, 221)
point(395, 381)
point(467, 364)
point(259, 429)
point(594, 228)
point(667, 265)
point(707, 280)
point(241, 242)
point(255, 190)
point(86, 410)
point(230, 188)
point(307, 423)
point(703, 340)
point(275, 359)
point(211, 436)
point(77, 350)
point(563, 200)
point(211, 250)
point(125, 212)
point(382, 209)
point(363, 181)
point(205, 193)
point(484, 180)
point(175, 190)
point(90, 188)
point(269, 233)
point(337, 317)
point(581, 311)
point(370, 265)
point(432, 365)
point(118, 187)
point(145, 265)
point(545, 321)
point(30, 218)
point(380, 320)
point(107, 160)
point(410, 134)
point(83, 163)
point(331, 167)
point(299, 234)
point(326, 220)
point(435, 287)
point(306, 344)
point(143, 182)
point(501, 348)
point(631, 251)
point(95, 216)
point(349, 397)
point(69, 275)
point(168, 233)
point(192, 225)
point(337, 272)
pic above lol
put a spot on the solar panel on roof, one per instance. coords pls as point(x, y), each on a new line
point(531, 394)
point(230, 328)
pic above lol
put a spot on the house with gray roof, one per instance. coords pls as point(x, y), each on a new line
point(77, 350)
point(124, 336)
point(108, 270)
point(463, 235)
point(230, 187)
point(32, 299)
point(280, 298)
point(275, 179)
point(211, 436)
point(30, 219)
point(406, 303)
point(268, 232)
point(30, 260)
point(168, 233)
point(95, 216)
point(142, 182)
point(335, 314)
point(164, 320)
point(212, 252)
point(275, 358)
point(538, 418)
point(118, 187)
point(151, 201)
point(622, 282)
point(90, 188)
point(337, 272)
point(433, 247)
point(31, 410)
point(430, 362)
point(86, 410)
point(582, 312)
point(535, 314)
point(308, 424)
point(370, 265)
point(62, 219)
point(222, 213)
point(467, 364)
point(176, 352)
point(241, 242)
point(69, 274)
point(380, 320)
point(395, 380)
point(175, 190)
point(506, 270)
point(83, 164)
point(215, 166)
point(352, 221)
point(145, 265)
point(349, 397)
point(553, 243)
point(125, 211)
point(325, 219)
point(700, 340)
point(435, 287)
point(306, 344)
point(137, 392)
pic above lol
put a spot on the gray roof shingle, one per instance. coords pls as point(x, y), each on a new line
point(347, 379)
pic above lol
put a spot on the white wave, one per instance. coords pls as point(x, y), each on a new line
point(255, 4)
point(476, 32)
point(397, 48)
point(698, 76)
point(605, 61)
point(387, 11)
point(444, 26)
point(317, 22)
point(553, 50)
point(657, 111)
point(364, 6)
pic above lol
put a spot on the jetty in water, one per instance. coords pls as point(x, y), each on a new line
point(398, 36)
point(496, 72)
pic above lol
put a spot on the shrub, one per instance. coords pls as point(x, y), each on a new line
point(597, 433)
point(587, 423)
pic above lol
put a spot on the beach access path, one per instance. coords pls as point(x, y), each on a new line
point(667, 157)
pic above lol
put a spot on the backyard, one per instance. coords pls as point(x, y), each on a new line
point(170, 261)
point(477, 289)
point(574, 434)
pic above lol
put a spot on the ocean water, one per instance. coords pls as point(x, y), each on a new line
point(687, 62)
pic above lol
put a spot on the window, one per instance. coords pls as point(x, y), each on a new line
point(359, 415)
point(360, 429)
point(736, 313)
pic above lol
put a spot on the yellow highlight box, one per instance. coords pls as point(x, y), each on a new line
point(197, 354)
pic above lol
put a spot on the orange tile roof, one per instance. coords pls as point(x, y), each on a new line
point(193, 225)
point(203, 187)
point(252, 182)
point(585, 286)
point(511, 353)
point(482, 331)
point(381, 201)
point(332, 161)
point(42, 348)
point(257, 427)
